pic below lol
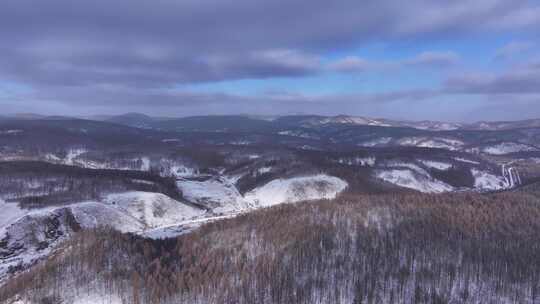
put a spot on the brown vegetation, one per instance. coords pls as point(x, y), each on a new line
point(406, 248)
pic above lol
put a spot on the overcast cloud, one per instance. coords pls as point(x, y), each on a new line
point(124, 55)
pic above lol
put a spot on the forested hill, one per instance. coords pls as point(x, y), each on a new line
point(400, 248)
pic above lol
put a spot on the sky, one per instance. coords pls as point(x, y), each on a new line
point(452, 60)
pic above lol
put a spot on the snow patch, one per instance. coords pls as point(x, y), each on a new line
point(464, 160)
point(437, 142)
point(413, 167)
point(10, 132)
point(297, 134)
point(376, 142)
point(487, 181)
point(264, 170)
point(145, 164)
point(413, 180)
point(218, 194)
point(152, 209)
point(296, 189)
point(10, 213)
point(436, 165)
point(96, 214)
point(358, 161)
point(72, 154)
point(507, 147)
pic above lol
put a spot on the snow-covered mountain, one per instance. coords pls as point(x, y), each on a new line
point(28, 235)
point(291, 190)
point(145, 121)
point(168, 177)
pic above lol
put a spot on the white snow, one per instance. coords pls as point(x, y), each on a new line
point(353, 120)
point(436, 165)
point(297, 134)
point(413, 167)
point(296, 189)
point(487, 181)
point(183, 171)
point(96, 298)
point(511, 175)
point(264, 170)
point(507, 147)
point(410, 141)
point(142, 181)
point(451, 141)
point(52, 157)
point(358, 161)
point(437, 142)
point(413, 180)
point(216, 193)
point(96, 214)
point(10, 212)
point(464, 160)
point(184, 227)
point(177, 168)
point(376, 142)
point(308, 147)
point(134, 212)
point(152, 209)
point(431, 125)
point(232, 179)
point(27, 235)
point(145, 166)
point(10, 132)
point(240, 142)
point(72, 154)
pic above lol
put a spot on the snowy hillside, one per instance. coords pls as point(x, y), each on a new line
point(218, 194)
point(152, 209)
point(413, 179)
point(487, 181)
point(436, 164)
point(26, 236)
point(507, 147)
point(95, 214)
point(431, 142)
point(31, 237)
point(296, 189)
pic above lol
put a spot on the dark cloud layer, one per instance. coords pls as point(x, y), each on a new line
point(140, 42)
point(123, 52)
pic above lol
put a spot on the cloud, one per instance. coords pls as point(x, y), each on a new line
point(512, 49)
point(437, 59)
point(429, 59)
point(351, 64)
point(140, 43)
point(133, 53)
point(520, 80)
point(77, 63)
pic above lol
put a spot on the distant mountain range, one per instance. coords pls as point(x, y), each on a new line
point(145, 121)
point(252, 122)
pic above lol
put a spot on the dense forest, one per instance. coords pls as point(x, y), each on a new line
point(389, 248)
point(36, 184)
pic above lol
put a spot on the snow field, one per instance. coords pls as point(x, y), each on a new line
point(407, 178)
point(296, 189)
